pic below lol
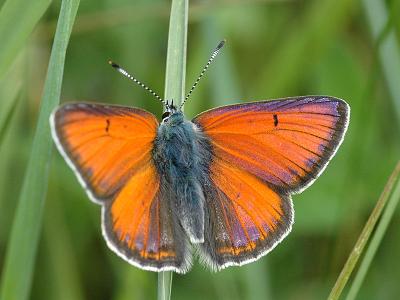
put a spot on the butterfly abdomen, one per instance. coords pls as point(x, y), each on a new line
point(182, 157)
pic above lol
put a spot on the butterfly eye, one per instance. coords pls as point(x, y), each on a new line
point(166, 115)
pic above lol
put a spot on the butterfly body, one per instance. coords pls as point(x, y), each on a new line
point(218, 186)
point(182, 156)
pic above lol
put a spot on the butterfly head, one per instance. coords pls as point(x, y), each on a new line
point(172, 114)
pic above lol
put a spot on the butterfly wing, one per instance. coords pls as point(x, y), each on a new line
point(263, 152)
point(104, 145)
point(139, 225)
point(245, 218)
point(110, 150)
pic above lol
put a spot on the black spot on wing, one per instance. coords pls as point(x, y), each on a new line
point(275, 120)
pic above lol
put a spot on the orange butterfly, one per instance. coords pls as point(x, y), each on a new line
point(220, 184)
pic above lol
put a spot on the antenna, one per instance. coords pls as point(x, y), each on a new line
point(126, 74)
point(213, 55)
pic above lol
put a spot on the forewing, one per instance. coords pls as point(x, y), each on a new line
point(104, 145)
point(286, 143)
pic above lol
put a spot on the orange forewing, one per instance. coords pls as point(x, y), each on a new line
point(106, 144)
point(284, 142)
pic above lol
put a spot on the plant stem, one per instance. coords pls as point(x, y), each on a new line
point(364, 236)
point(175, 90)
point(176, 55)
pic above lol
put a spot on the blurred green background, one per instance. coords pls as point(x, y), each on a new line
point(275, 48)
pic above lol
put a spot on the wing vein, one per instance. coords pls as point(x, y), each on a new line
point(267, 170)
point(283, 156)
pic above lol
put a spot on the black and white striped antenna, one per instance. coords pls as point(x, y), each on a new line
point(126, 74)
point(213, 55)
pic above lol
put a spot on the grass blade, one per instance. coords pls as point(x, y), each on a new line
point(175, 89)
point(21, 251)
point(377, 237)
point(164, 285)
point(365, 234)
point(176, 55)
point(14, 33)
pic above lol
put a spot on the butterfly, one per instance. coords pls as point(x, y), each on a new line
point(218, 186)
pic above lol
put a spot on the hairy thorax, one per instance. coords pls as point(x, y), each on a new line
point(182, 155)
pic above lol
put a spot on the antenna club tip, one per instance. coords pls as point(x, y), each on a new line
point(113, 64)
point(221, 44)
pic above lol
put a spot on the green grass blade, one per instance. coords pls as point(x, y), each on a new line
point(17, 20)
point(377, 237)
point(175, 89)
point(176, 55)
point(388, 48)
point(164, 285)
point(21, 251)
point(365, 234)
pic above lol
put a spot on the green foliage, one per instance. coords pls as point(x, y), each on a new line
point(21, 250)
point(274, 48)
